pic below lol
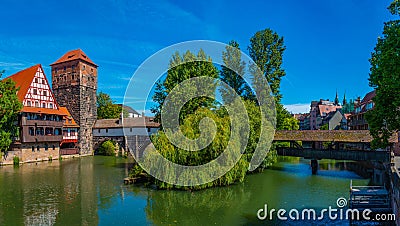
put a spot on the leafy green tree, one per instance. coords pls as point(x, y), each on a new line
point(106, 108)
point(10, 106)
point(384, 77)
point(324, 127)
point(348, 107)
point(232, 72)
point(182, 68)
point(107, 148)
point(290, 123)
point(266, 49)
point(190, 128)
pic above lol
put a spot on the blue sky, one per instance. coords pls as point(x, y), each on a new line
point(328, 42)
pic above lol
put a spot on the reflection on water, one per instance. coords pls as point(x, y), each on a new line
point(89, 191)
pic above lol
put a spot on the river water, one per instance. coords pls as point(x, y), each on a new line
point(90, 191)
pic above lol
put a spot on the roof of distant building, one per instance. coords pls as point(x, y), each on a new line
point(129, 109)
point(126, 122)
point(331, 114)
point(76, 54)
point(69, 122)
point(300, 116)
point(368, 97)
point(347, 116)
point(326, 109)
point(365, 104)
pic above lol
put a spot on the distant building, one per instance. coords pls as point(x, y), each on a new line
point(306, 123)
point(130, 133)
point(125, 127)
point(40, 120)
point(335, 121)
point(320, 110)
point(302, 120)
point(357, 118)
point(130, 111)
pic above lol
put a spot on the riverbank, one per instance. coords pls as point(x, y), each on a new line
point(11, 160)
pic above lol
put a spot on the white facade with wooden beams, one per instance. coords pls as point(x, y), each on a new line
point(39, 93)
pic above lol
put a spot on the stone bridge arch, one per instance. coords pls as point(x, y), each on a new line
point(135, 144)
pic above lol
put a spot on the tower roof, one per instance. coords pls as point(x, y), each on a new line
point(76, 54)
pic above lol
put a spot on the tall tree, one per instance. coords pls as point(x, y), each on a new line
point(384, 77)
point(106, 108)
point(266, 49)
point(9, 109)
point(182, 68)
point(232, 72)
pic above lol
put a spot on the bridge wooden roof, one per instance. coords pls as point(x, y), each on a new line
point(350, 136)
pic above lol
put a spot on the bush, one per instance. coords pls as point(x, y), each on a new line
point(16, 161)
point(107, 148)
point(135, 171)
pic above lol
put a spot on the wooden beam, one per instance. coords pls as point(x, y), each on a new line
point(349, 136)
point(309, 153)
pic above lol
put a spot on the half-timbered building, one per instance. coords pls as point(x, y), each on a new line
point(40, 120)
point(69, 143)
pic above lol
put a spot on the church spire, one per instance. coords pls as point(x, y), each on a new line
point(336, 99)
point(344, 99)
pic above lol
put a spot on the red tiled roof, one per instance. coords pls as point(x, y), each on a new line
point(327, 108)
point(23, 80)
point(68, 116)
point(76, 54)
point(42, 110)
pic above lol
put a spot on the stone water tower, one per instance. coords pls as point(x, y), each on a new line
point(74, 79)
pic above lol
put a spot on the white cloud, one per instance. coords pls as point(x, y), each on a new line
point(298, 108)
point(8, 64)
